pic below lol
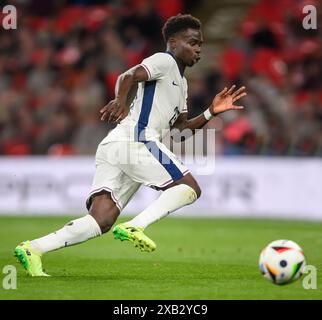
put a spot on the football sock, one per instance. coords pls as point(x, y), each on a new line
point(170, 200)
point(74, 232)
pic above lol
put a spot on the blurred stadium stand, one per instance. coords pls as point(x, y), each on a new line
point(60, 66)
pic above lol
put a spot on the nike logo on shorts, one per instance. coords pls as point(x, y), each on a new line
point(175, 84)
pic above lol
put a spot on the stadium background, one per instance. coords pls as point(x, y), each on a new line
point(60, 66)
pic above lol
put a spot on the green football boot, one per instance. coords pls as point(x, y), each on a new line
point(135, 235)
point(30, 260)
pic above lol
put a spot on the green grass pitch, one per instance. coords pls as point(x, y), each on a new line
point(195, 259)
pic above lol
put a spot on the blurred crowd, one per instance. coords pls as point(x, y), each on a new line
point(60, 66)
point(280, 62)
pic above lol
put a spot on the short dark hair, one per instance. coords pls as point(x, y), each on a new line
point(179, 23)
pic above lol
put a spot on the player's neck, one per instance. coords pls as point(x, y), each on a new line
point(180, 65)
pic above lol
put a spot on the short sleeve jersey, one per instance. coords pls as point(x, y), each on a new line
point(158, 102)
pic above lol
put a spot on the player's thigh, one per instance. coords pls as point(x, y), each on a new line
point(110, 178)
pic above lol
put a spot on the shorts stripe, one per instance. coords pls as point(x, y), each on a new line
point(164, 160)
point(167, 182)
point(171, 180)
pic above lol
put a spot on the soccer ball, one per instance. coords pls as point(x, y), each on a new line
point(282, 261)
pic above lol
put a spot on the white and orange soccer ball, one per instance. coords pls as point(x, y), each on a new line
point(282, 261)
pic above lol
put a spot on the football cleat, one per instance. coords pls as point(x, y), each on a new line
point(30, 260)
point(135, 235)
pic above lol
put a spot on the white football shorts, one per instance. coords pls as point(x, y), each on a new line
point(123, 166)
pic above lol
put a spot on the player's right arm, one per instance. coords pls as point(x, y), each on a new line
point(151, 68)
point(125, 90)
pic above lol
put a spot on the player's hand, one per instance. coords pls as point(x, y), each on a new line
point(114, 112)
point(225, 100)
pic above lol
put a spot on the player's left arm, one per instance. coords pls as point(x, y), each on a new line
point(223, 101)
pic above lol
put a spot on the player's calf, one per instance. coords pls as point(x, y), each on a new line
point(104, 210)
point(170, 200)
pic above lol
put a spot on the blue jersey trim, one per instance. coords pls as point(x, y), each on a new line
point(163, 158)
point(149, 90)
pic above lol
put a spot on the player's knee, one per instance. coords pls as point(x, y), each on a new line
point(197, 190)
point(195, 187)
point(104, 214)
point(192, 183)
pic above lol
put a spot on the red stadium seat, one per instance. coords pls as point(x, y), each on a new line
point(232, 62)
point(269, 63)
point(168, 8)
point(17, 149)
point(235, 131)
point(60, 149)
point(133, 57)
point(70, 16)
point(95, 16)
point(110, 81)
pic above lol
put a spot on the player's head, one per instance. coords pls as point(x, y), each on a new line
point(183, 36)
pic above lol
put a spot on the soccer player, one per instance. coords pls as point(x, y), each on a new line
point(132, 154)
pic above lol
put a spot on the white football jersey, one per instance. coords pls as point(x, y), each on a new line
point(158, 102)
